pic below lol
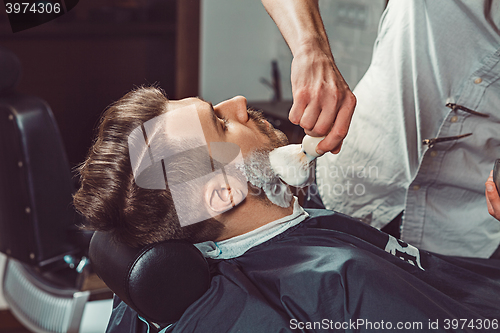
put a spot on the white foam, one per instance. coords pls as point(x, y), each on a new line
point(258, 171)
point(292, 165)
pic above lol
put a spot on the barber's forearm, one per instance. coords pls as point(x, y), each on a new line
point(300, 24)
point(322, 101)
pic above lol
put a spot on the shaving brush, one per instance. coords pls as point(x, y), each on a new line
point(293, 163)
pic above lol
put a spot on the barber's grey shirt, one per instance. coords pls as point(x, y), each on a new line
point(427, 54)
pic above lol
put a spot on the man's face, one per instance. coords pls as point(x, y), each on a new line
point(231, 121)
point(195, 147)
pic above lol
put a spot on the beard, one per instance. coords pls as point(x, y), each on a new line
point(264, 183)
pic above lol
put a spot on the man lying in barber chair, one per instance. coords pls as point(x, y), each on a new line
point(163, 169)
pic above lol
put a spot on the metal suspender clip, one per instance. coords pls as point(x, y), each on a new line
point(456, 107)
point(433, 141)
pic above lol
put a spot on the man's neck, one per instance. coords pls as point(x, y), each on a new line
point(250, 215)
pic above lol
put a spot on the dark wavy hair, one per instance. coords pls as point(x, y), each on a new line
point(109, 198)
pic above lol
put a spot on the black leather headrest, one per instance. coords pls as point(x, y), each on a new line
point(159, 281)
point(10, 70)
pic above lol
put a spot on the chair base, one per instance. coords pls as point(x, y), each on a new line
point(41, 307)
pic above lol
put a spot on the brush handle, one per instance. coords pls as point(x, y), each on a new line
point(309, 145)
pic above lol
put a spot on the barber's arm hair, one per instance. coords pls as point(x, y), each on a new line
point(323, 104)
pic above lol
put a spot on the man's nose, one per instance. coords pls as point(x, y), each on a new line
point(234, 108)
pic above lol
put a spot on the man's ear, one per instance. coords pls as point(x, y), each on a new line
point(220, 196)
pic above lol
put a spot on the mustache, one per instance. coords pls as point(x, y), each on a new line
point(260, 120)
point(277, 137)
point(257, 116)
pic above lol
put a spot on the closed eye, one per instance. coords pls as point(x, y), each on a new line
point(216, 117)
point(225, 122)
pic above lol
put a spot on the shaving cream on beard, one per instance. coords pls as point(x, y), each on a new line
point(258, 171)
point(295, 164)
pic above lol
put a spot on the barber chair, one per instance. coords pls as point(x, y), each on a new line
point(46, 252)
point(159, 281)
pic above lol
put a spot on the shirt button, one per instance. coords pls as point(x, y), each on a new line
point(416, 187)
point(434, 153)
point(454, 119)
point(478, 80)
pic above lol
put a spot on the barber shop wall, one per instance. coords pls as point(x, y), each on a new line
point(83, 61)
point(237, 45)
point(239, 40)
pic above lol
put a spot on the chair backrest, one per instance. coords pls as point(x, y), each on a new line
point(36, 213)
point(11, 70)
point(159, 281)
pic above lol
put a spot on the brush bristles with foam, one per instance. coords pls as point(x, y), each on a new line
point(291, 164)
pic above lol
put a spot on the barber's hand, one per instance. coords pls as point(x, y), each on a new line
point(323, 103)
point(492, 198)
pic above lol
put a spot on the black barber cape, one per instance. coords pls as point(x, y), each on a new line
point(333, 273)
